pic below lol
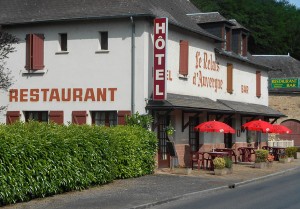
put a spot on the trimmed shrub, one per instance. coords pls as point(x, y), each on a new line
point(39, 159)
point(291, 151)
point(228, 162)
point(261, 156)
point(219, 163)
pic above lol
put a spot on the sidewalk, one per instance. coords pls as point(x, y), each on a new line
point(150, 190)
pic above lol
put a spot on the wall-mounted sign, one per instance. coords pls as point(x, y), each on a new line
point(278, 83)
point(63, 95)
point(160, 46)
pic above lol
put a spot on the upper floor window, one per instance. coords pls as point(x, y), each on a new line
point(227, 37)
point(103, 40)
point(34, 52)
point(244, 45)
point(63, 42)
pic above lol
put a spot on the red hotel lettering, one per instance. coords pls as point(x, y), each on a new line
point(160, 33)
point(64, 95)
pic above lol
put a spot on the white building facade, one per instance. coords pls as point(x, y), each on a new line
point(96, 70)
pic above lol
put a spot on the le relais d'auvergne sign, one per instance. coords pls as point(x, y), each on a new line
point(159, 67)
point(279, 83)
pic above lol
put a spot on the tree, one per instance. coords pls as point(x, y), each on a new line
point(7, 42)
point(274, 24)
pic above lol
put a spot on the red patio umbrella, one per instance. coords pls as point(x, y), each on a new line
point(259, 125)
point(214, 126)
point(281, 129)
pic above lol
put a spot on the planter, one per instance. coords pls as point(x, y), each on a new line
point(220, 172)
point(269, 164)
point(283, 160)
point(182, 171)
point(297, 156)
point(229, 170)
point(290, 159)
point(260, 165)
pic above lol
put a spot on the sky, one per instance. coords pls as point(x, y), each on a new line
point(295, 2)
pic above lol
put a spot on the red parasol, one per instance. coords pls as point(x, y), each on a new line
point(259, 125)
point(281, 129)
point(214, 126)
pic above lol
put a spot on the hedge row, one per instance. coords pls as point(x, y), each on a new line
point(38, 159)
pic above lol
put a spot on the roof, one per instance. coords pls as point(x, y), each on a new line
point(283, 66)
point(237, 25)
point(249, 59)
point(177, 101)
point(209, 17)
point(34, 11)
point(251, 109)
point(187, 102)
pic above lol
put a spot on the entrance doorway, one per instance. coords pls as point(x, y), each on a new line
point(163, 153)
point(228, 136)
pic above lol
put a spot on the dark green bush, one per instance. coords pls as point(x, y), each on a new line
point(38, 159)
point(228, 162)
point(291, 151)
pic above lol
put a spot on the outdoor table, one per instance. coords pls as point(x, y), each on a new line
point(246, 153)
point(213, 155)
point(276, 151)
point(230, 151)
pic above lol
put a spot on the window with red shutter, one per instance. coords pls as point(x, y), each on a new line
point(184, 58)
point(56, 117)
point(105, 118)
point(121, 116)
point(12, 116)
point(34, 52)
point(229, 78)
point(258, 83)
point(79, 117)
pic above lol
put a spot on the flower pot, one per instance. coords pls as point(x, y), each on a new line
point(260, 165)
point(290, 159)
point(297, 156)
point(229, 170)
point(182, 171)
point(220, 172)
point(269, 164)
point(283, 160)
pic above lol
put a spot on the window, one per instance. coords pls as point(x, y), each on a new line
point(193, 135)
point(34, 52)
point(184, 58)
point(244, 45)
point(229, 78)
point(258, 83)
point(227, 37)
point(63, 42)
point(41, 116)
point(103, 40)
point(105, 118)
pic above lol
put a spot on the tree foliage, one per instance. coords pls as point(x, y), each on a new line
point(7, 42)
point(274, 24)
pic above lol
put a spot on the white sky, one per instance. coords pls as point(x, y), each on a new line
point(295, 2)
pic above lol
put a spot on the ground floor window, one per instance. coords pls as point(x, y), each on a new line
point(41, 116)
point(105, 118)
point(193, 135)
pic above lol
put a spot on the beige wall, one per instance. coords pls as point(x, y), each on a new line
point(286, 104)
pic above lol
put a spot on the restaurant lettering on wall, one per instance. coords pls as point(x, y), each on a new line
point(204, 64)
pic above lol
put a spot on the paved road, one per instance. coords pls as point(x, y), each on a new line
point(275, 193)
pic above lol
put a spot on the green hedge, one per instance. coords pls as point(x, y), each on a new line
point(38, 159)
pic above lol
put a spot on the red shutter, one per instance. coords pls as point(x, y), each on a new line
point(56, 117)
point(38, 52)
point(28, 51)
point(12, 116)
point(79, 117)
point(121, 116)
point(229, 78)
point(258, 83)
point(184, 58)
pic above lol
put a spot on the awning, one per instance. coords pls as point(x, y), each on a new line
point(185, 102)
point(244, 108)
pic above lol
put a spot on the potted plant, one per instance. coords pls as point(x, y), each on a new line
point(170, 129)
point(297, 153)
point(228, 164)
point(291, 153)
point(219, 166)
point(270, 160)
point(261, 158)
point(283, 158)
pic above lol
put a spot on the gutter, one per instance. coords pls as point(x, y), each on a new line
point(132, 65)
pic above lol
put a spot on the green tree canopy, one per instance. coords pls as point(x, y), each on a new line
point(274, 25)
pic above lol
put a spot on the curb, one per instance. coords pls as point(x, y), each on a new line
point(231, 186)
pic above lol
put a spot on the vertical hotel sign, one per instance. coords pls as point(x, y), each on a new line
point(160, 46)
